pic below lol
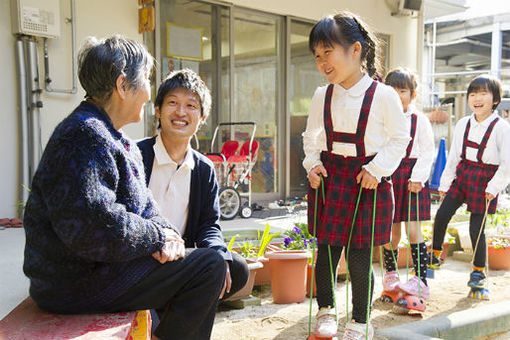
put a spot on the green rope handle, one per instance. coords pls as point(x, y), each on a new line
point(408, 237)
point(484, 219)
point(395, 259)
point(332, 282)
point(418, 227)
point(313, 261)
point(347, 255)
point(370, 270)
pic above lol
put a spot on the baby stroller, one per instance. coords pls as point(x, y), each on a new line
point(233, 167)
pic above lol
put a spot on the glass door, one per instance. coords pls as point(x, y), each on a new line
point(304, 78)
point(256, 70)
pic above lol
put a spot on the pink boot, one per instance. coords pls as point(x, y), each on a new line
point(391, 281)
point(411, 288)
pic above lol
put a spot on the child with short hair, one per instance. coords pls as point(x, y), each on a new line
point(477, 169)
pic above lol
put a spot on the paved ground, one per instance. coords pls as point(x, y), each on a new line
point(13, 283)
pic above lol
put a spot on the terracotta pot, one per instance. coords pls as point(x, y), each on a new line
point(263, 274)
point(245, 292)
point(499, 259)
point(288, 275)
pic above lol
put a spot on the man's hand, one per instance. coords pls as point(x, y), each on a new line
point(314, 176)
point(367, 180)
point(489, 197)
point(228, 282)
point(415, 187)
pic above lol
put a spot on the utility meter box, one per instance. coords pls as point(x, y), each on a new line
point(36, 18)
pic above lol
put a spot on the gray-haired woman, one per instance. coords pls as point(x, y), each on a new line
point(95, 241)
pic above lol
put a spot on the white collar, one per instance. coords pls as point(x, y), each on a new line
point(162, 157)
point(359, 88)
point(487, 120)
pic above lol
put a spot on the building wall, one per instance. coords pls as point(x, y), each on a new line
point(93, 17)
point(103, 18)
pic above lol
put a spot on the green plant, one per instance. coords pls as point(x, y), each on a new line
point(247, 249)
point(498, 242)
point(22, 204)
point(298, 238)
point(265, 240)
point(501, 219)
point(231, 243)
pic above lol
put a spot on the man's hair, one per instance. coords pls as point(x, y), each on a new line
point(188, 80)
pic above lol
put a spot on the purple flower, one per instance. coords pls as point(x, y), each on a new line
point(297, 230)
point(304, 240)
point(287, 241)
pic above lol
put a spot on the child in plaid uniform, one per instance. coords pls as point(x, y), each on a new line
point(410, 178)
point(355, 138)
point(477, 169)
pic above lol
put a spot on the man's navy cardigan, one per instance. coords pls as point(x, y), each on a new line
point(91, 223)
point(203, 229)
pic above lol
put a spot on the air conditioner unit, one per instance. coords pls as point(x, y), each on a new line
point(36, 18)
point(408, 7)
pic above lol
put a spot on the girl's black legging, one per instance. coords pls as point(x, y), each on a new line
point(359, 267)
point(443, 217)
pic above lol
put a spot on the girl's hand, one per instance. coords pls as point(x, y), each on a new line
point(442, 194)
point(415, 187)
point(489, 197)
point(367, 180)
point(314, 176)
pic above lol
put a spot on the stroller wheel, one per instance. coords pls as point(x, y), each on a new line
point(230, 202)
point(246, 211)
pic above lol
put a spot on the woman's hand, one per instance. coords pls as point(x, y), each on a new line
point(489, 196)
point(228, 282)
point(367, 180)
point(314, 176)
point(172, 250)
point(442, 194)
point(415, 187)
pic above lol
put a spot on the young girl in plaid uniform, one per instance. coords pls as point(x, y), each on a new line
point(410, 177)
point(477, 169)
point(355, 137)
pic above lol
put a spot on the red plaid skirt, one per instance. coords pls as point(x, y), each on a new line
point(400, 180)
point(470, 183)
point(336, 212)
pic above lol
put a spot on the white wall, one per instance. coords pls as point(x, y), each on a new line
point(93, 17)
point(8, 117)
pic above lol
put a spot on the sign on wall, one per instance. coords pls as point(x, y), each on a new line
point(184, 42)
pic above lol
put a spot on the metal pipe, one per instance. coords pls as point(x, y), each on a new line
point(47, 77)
point(35, 103)
point(24, 177)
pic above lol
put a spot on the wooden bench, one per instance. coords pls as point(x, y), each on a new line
point(27, 321)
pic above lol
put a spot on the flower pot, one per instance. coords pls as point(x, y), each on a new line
point(264, 273)
point(288, 275)
point(245, 292)
point(499, 259)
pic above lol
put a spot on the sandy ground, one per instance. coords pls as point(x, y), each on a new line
point(290, 322)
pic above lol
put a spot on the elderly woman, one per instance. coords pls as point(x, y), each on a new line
point(95, 240)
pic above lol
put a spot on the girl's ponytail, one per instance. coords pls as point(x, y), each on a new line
point(345, 29)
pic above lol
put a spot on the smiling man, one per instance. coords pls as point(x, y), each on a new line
point(181, 179)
